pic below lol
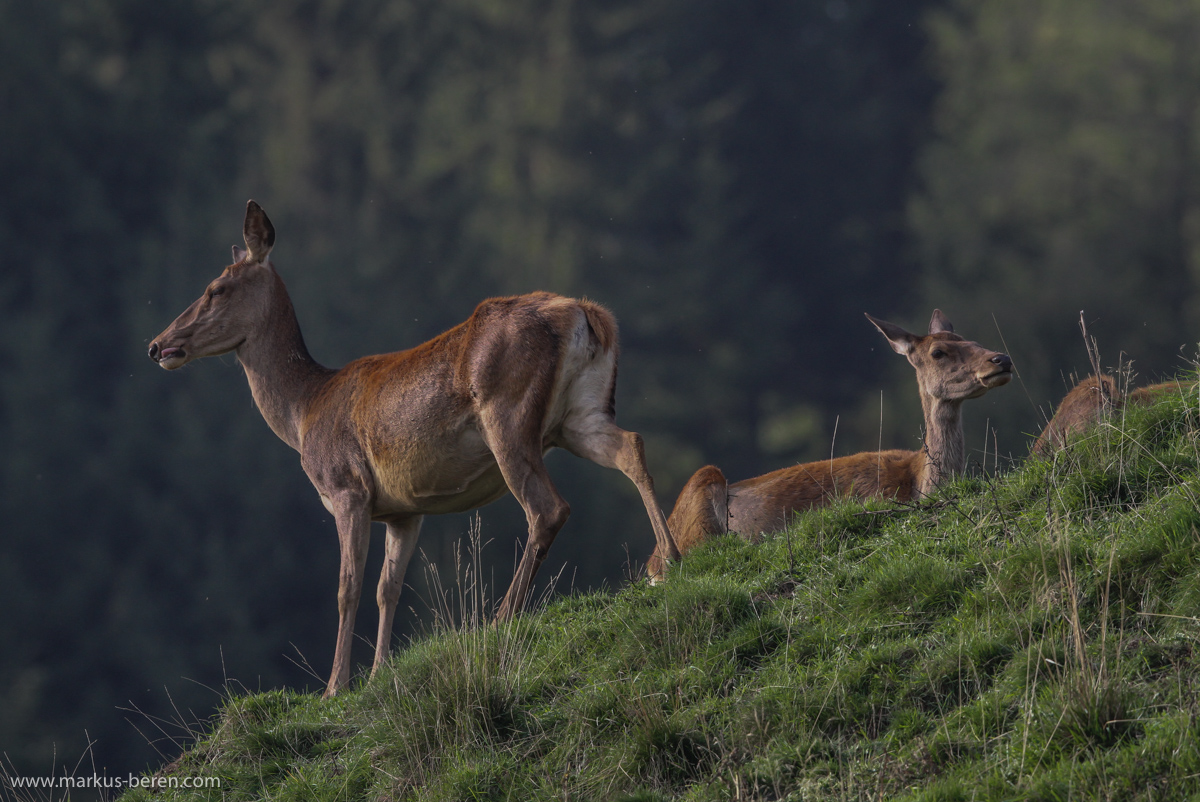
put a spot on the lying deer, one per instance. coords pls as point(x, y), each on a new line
point(448, 426)
point(950, 370)
point(1090, 400)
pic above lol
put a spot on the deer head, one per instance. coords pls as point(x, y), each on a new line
point(949, 368)
point(232, 306)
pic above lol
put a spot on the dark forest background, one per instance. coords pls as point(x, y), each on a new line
point(738, 181)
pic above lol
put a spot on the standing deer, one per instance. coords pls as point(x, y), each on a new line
point(950, 370)
point(448, 426)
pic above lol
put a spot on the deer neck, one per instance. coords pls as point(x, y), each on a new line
point(283, 376)
point(944, 451)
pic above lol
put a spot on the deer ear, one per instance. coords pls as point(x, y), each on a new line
point(239, 254)
point(940, 323)
point(900, 340)
point(258, 232)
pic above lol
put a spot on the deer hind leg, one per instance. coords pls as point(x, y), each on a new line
point(354, 530)
point(401, 542)
point(596, 437)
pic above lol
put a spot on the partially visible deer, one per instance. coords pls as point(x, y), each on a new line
point(950, 370)
point(1091, 400)
point(448, 426)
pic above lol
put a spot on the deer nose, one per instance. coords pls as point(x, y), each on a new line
point(1002, 360)
point(154, 350)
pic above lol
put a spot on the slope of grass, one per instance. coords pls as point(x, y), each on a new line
point(1032, 636)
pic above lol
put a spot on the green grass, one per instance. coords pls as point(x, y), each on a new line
point(1032, 636)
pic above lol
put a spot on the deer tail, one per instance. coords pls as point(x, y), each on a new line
point(602, 323)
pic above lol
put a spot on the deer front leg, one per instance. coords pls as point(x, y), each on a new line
point(354, 531)
point(401, 542)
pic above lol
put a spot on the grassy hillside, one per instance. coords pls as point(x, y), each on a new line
point(1032, 636)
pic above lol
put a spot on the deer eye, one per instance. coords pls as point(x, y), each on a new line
point(937, 353)
point(217, 290)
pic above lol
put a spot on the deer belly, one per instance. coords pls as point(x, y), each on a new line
point(437, 501)
point(456, 475)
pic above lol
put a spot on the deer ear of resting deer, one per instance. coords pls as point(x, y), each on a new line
point(1091, 400)
point(949, 369)
point(447, 426)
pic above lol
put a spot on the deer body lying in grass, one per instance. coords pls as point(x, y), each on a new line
point(950, 370)
point(448, 426)
point(1091, 400)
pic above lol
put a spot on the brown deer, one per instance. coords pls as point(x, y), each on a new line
point(1091, 400)
point(950, 370)
point(448, 426)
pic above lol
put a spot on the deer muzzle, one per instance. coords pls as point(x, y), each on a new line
point(168, 358)
point(1001, 373)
